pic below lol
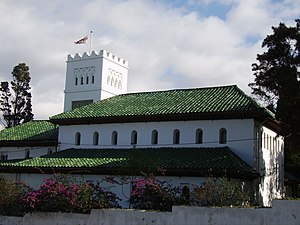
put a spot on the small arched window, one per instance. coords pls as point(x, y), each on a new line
point(176, 136)
point(96, 138)
point(199, 136)
point(114, 138)
point(87, 79)
point(154, 137)
point(134, 137)
point(76, 81)
point(81, 80)
point(222, 136)
point(77, 138)
point(93, 79)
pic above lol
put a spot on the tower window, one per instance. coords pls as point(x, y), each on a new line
point(134, 137)
point(76, 81)
point(93, 79)
point(222, 136)
point(81, 80)
point(114, 138)
point(199, 136)
point(87, 80)
point(77, 138)
point(95, 138)
point(154, 137)
point(176, 136)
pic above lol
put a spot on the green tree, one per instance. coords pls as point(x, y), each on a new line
point(15, 99)
point(277, 83)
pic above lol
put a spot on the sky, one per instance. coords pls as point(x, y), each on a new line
point(169, 44)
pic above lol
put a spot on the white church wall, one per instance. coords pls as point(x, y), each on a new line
point(23, 152)
point(240, 135)
point(271, 166)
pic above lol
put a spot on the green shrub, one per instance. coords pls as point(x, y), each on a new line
point(219, 192)
point(11, 195)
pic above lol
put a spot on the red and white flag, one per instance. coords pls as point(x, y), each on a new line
point(81, 41)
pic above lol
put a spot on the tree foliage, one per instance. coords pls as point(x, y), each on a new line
point(277, 83)
point(15, 99)
point(277, 75)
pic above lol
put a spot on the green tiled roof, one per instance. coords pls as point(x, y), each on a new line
point(33, 131)
point(184, 102)
point(196, 161)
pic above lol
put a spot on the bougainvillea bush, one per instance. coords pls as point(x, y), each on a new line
point(151, 194)
point(61, 195)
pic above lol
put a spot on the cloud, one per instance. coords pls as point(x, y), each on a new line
point(167, 46)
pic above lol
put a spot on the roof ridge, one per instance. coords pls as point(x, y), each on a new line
point(176, 89)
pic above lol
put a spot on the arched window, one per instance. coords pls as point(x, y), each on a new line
point(76, 81)
point(77, 138)
point(95, 138)
point(114, 138)
point(27, 154)
point(93, 79)
point(134, 137)
point(176, 136)
point(87, 79)
point(81, 80)
point(222, 136)
point(154, 137)
point(199, 136)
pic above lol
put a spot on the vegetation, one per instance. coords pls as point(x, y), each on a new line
point(151, 194)
point(220, 192)
point(59, 194)
point(277, 83)
point(15, 99)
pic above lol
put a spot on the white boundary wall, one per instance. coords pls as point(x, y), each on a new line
point(282, 213)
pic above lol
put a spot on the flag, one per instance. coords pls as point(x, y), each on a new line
point(81, 41)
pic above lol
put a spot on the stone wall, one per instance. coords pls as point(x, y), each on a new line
point(282, 213)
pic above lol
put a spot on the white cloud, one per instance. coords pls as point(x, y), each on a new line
point(166, 47)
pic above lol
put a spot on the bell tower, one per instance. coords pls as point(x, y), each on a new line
point(94, 77)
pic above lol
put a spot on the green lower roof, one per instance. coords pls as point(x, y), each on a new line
point(175, 161)
point(159, 105)
point(36, 131)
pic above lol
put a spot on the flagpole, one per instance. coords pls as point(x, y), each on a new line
point(90, 41)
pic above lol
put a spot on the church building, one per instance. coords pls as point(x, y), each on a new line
point(182, 135)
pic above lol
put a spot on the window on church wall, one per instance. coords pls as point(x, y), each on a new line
point(222, 136)
point(77, 138)
point(87, 80)
point(81, 80)
point(114, 138)
point(76, 81)
point(27, 154)
point(199, 136)
point(133, 137)
point(93, 79)
point(176, 136)
point(154, 137)
point(96, 138)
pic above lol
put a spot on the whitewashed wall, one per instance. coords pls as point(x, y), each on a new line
point(240, 135)
point(20, 152)
point(282, 213)
point(271, 166)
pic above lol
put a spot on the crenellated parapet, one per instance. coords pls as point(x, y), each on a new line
point(102, 54)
